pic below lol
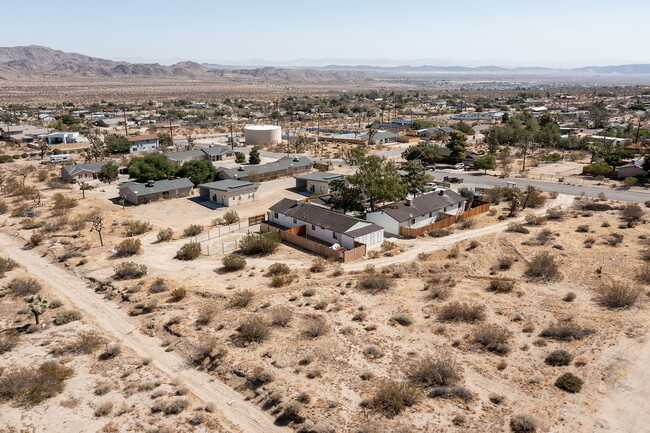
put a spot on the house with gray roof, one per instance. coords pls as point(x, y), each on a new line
point(632, 169)
point(81, 172)
point(229, 192)
point(216, 153)
point(141, 193)
point(325, 225)
point(319, 182)
point(285, 166)
point(417, 212)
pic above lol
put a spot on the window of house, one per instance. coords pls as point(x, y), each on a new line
point(294, 221)
point(413, 221)
point(334, 235)
point(430, 214)
point(275, 214)
point(313, 227)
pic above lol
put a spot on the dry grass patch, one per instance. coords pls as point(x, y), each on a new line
point(618, 294)
point(392, 397)
point(441, 370)
point(462, 312)
point(543, 267)
point(30, 386)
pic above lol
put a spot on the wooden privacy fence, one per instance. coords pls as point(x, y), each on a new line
point(297, 236)
point(232, 228)
point(445, 221)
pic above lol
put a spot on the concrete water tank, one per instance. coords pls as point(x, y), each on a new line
point(262, 134)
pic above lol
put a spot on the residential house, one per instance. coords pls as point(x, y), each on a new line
point(633, 169)
point(63, 138)
point(20, 133)
point(417, 212)
point(319, 182)
point(143, 143)
point(217, 153)
point(140, 193)
point(76, 172)
point(229, 192)
point(285, 166)
point(325, 225)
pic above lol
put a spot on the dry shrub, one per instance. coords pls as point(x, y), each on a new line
point(103, 409)
point(645, 254)
point(231, 217)
point(278, 269)
point(505, 262)
point(165, 235)
point(135, 227)
point(438, 291)
point(233, 262)
point(129, 271)
point(631, 212)
point(8, 340)
point(281, 316)
point(501, 285)
point(441, 370)
point(189, 251)
point(465, 223)
point(319, 264)
point(260, 243)
point(111, 351)
point(30, 386)
point(555, 213)
point(66, 316)
point(87, 342)
point(315, 327)
point(439, 233)
point(543, 267)
point(63, 204)
point(403, 319)
point(208, 355)
point(6, 265)
point(35, 239)
point(193, 230)
point(535, 220)
point(523, 423)
point(618, 294)
point(517, 227)
point(3, 207)
point(566, 331)
point(393, 397)
point(643, 274)
point(24, 286)
point(128, 247)
point(544, 237)
point(374, 283)
point(253, 330)
point(177, 406)
point(178, 294)
point(282, 280)
point(595, 206)
point(494, 338)
point(462, 312)
point(569, 383)
point(206, 314)
point(242, 299)
point(158, 286)
point(558, 358)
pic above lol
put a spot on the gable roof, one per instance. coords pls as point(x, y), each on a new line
point(228, 185)
point(140, 189)
point(323, 176)
point(137, 138)
point(93, 167)
point(281, 164)
point(422, 205)
point(325, 218)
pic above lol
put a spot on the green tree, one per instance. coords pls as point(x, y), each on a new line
point(108, 173)
point(457, 145)
point(43, 148)
point(378, 180)
point(345, 198)
point(36, 304)
point(467, 194)
point(198, 171)
point(355, 156)
point(493, 144)
point(83, 187)
point(427, 154)
point(487, 162)
point(164, 140)
point(116, 143)
point(154, 166)
point(646, 163)
point(464, 128)
point(254, 155)
point(415, 178)
point(599, 114)
point(421, 124)
point(599, 169)
point(240, 157)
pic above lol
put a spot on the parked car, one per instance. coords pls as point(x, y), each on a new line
point(470, 168)
point(431, 186)
point(459, 166)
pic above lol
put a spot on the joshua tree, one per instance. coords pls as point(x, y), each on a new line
point(24, 175)
point(98, 226)
point(83, 186)
point(36, 304)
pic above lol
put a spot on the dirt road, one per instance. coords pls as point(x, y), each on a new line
point(237, 415)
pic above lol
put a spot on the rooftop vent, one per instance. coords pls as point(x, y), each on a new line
point(296, 159)
point(441, 192)
point(149, 184)
point(241, 168)
point(408, 202)
point(298, 201)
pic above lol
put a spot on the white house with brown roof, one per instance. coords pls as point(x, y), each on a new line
point(417, 212)
point(143, 143)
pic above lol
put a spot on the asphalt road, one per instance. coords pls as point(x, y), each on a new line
point(486, 181)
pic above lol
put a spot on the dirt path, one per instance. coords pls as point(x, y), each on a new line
point(435, 244)
point(627, 410)
point(237, 414)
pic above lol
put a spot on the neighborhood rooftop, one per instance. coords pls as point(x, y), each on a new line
point(321, 176)
point(422, 205)
point(73, 169)
point(228, 184)
point(283, 163)
point(157, 186)
point(325, 218)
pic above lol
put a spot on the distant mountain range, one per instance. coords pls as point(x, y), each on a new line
point(37, 62)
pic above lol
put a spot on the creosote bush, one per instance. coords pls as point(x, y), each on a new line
point(189, 251)
point(493, 338)
point(403, 319)
point(260, 243)
point(253, 330)
point(129, 271)
point(501, 285)
point(558, 358)
point(178, 294)
point(231, 217)
point(318, 265)
point(87, 342)
point(618, 294)
point(6, 265)
point(165, 235)
point(374, 283)
point(282, 280)
point(523, 423)
point(278, 269)
point(505, 262)
point(543, 267)
point(242, 299)
point(135, 227)
point(31, 386)
point(631, 212)
point(233, 262)
point(67, 316)
point(569, 382)
point(393, 397)
point(462, 312)
point(192, 230)
point(24, 286)
point(441, 370)
point(315, 327)
point(439, 233)
point(177, 406)
point(128, 247)
point(158, 286)
point(566, 331)
point(517, 227)
point(281, 316)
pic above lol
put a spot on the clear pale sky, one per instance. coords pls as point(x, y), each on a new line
point(505, 32)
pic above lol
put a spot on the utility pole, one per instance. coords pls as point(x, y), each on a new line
point(232, 140)
point(126, 126)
